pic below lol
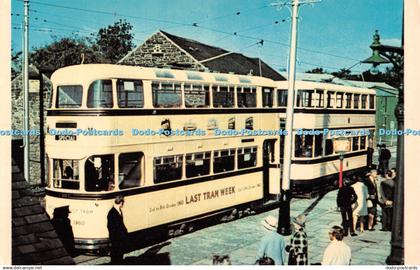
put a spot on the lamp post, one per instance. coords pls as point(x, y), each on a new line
point(394, 55)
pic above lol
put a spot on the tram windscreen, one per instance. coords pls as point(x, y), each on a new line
point(69, 96)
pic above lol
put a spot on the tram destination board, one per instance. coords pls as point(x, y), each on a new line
point(65, 137)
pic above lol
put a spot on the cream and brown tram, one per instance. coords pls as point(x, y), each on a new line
point(184, 144)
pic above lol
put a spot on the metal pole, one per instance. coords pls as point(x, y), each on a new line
point(26, 90)
point(340, 179)
point(285, 195)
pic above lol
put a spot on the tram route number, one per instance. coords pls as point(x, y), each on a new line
point(65, 137)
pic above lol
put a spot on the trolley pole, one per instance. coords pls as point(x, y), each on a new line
point(26, 90)
point(284, 227)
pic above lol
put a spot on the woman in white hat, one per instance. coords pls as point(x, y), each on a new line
point(272, 244)
point(298, 248)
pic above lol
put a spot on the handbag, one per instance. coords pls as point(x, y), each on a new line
point(369, 203)
point(292, 258)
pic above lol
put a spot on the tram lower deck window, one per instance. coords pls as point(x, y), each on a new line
point(99, 173)
point(167, 168)
point(247, 157)
point(66, 174)
point(197, 164)
point(224, 160)
point(303, 145)
point(129, 170)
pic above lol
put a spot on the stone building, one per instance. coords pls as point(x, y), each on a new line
point(34, 119)
point(166, 50)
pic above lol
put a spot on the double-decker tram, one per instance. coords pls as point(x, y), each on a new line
point(179, 145)
point(325, 112)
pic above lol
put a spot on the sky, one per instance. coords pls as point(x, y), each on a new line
point(332, 34)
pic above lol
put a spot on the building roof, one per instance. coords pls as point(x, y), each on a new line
point(220, 60)
point(223, 60)
point(34, 240)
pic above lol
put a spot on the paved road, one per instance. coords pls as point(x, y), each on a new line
point(239, 239)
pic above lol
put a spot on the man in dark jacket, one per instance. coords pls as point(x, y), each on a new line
point(118, 234)
point(345, 198)
point(384, 157)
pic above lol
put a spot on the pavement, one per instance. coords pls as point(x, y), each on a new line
point(240, 239)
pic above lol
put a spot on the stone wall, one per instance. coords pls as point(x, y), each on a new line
point(158, 51)
point(34, 122)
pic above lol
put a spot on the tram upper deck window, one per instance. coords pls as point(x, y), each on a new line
point(196, 96)
point(348, 100)
point(363, 102)
point(130, 94)
point(330, 99)
point(318, 98)
point(247, 97)
point(167, 168)
point(356, 98)
point(224, 160)
point(267, 97)
point(69, 96)
point(197, 164)
point(166, 95)
point(371, 101)
point(281, 98)
point(129, 170)
point(223, 96)
point(66, 174)
point(99, 173)
point(100, 94)
point(304, 98)
point(247, 157)
point(339, 100)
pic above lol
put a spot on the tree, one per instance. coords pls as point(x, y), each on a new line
point(317, 70)
point(16, 64)
point(115, 41)
point(64, 52)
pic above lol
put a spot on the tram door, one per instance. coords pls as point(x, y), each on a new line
point(268, 158)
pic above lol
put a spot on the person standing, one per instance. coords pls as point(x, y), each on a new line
point(118, 234)
point(360, 211)
point(385, 200)
point(384, 157)
point(372, 201)
point(272, 244)
point(346, 197)
point(63, 228)
point(298, 248)
point(337, 252)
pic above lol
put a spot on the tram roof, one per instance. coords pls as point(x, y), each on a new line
point(91, 72)
point(325, 86)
